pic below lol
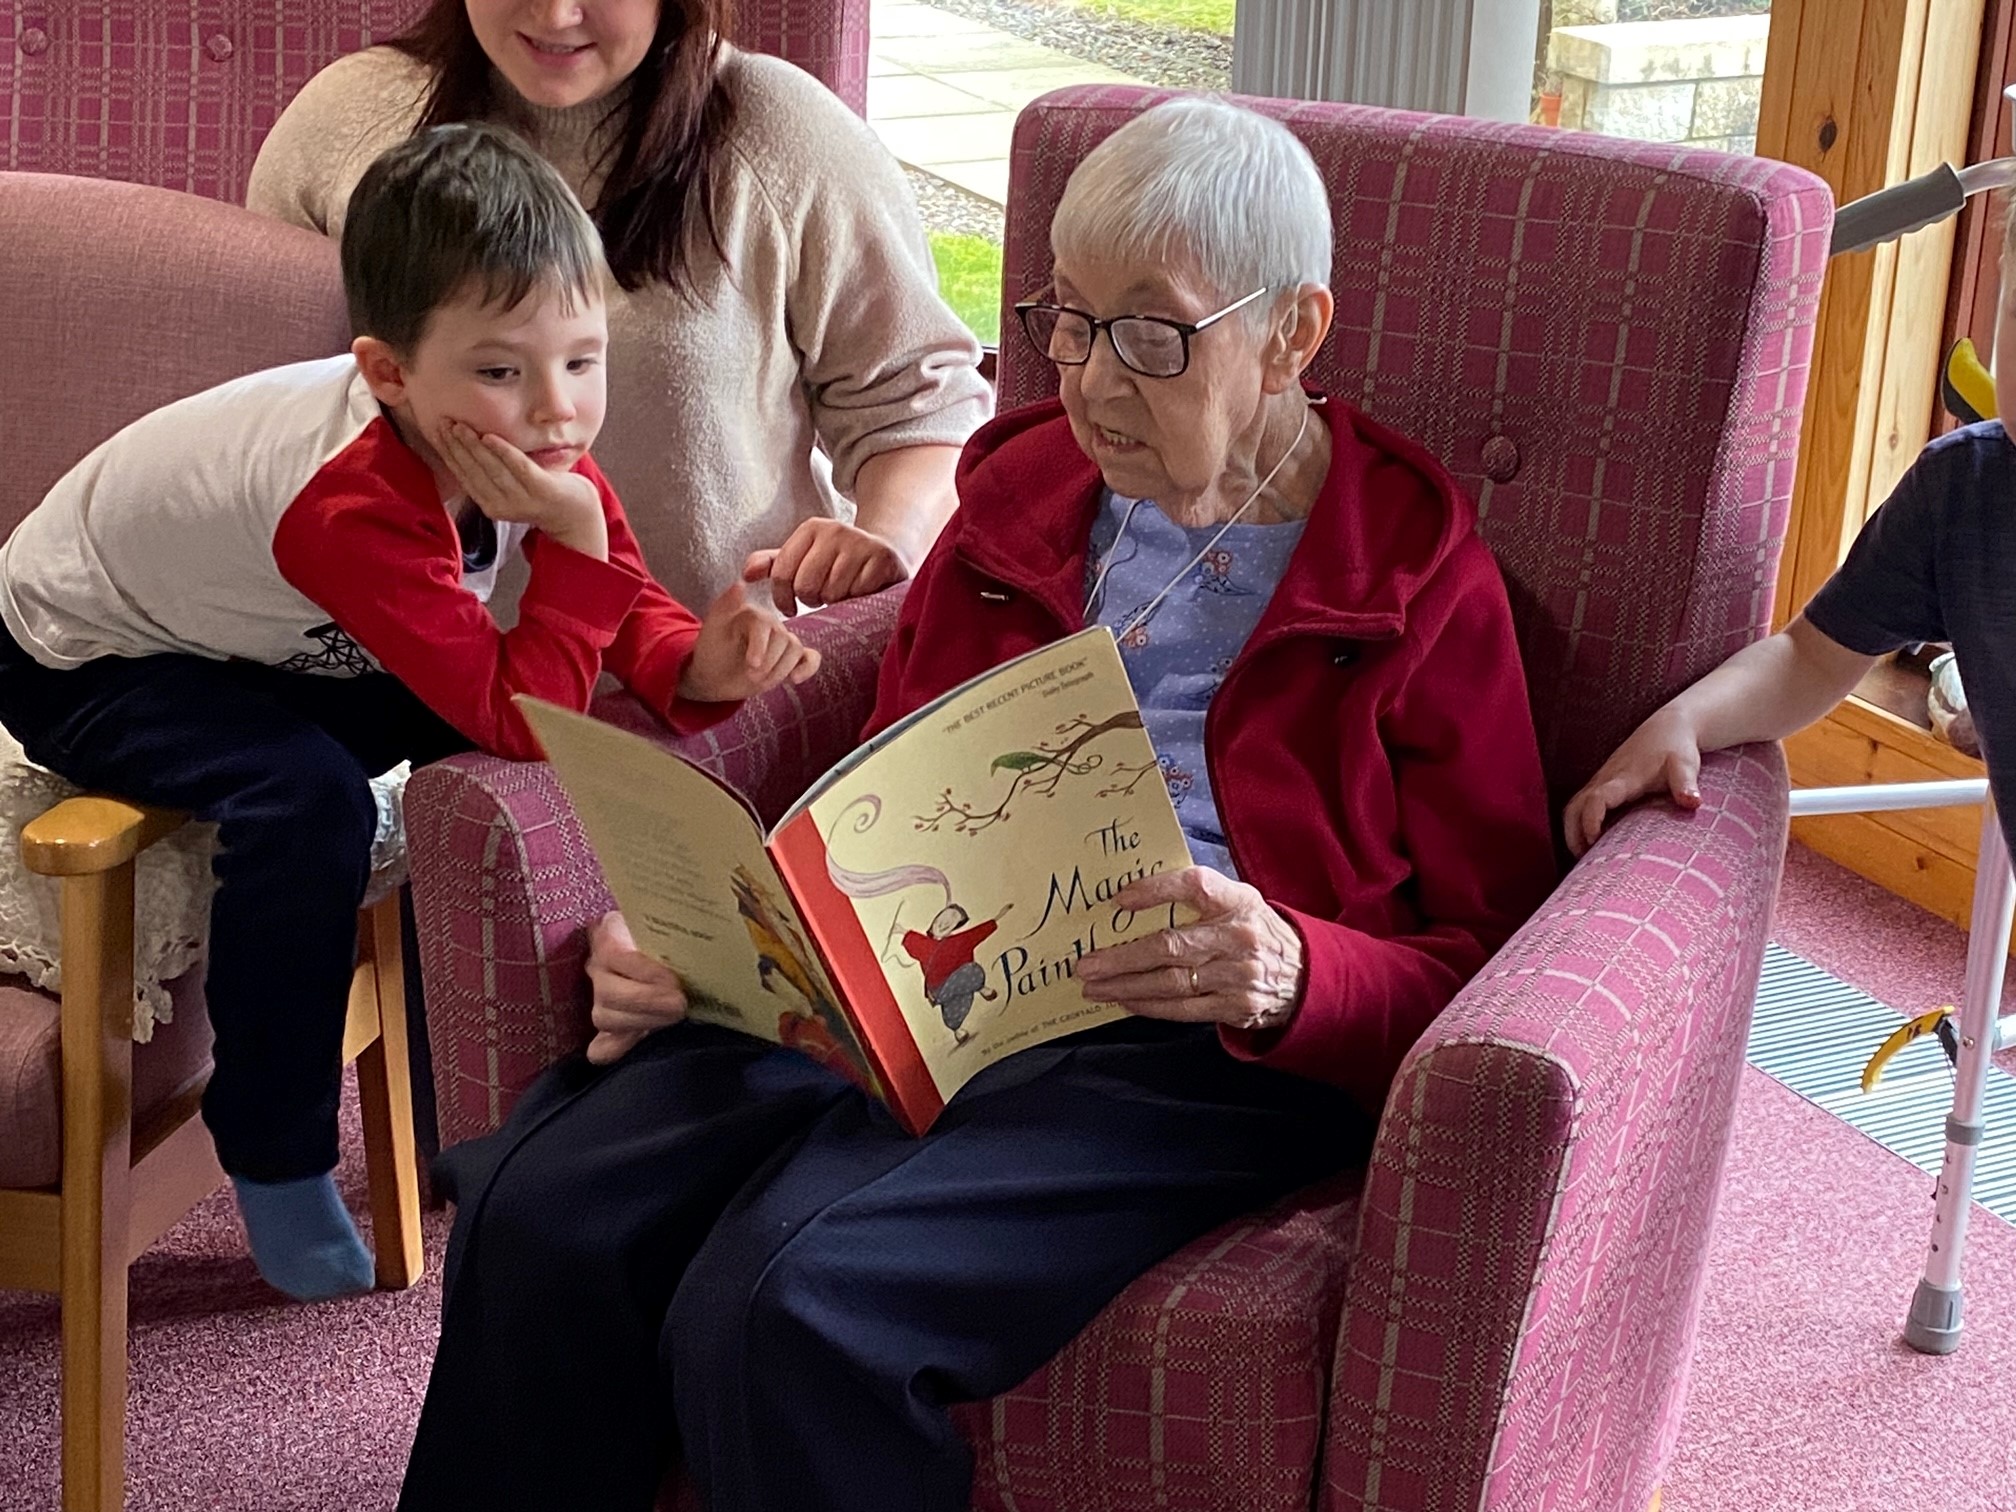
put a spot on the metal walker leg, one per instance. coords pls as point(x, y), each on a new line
point(1933, 1325)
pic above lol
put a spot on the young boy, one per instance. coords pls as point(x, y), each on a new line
point(1936, 563)
point(251, 601)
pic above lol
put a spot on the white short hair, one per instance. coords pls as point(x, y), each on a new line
point(1201, 180)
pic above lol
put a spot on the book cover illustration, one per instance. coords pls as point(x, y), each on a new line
point(920, 912)
point(965, 866)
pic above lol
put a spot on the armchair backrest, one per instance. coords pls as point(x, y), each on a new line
point(174, 94)
point(121, 297)
point(1604, 341)
point(180, 93)
point(826, 38)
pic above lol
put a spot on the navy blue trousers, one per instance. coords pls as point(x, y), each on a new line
point(282, 763)
point(720, 1249)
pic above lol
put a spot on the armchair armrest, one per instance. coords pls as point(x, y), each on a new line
point(1529, 1260)
point(504, 880)
point(85, 835)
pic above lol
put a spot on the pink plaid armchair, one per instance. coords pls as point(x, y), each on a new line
point(1607, 343)
point(182, 95)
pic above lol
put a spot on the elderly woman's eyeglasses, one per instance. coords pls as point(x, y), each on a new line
point(1150, 345)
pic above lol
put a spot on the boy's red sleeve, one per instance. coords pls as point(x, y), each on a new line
point(656, 638)
point(368, 542)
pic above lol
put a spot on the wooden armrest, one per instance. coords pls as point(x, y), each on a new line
point(80, 836)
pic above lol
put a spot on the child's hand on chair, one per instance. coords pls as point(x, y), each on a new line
point(1661, 753)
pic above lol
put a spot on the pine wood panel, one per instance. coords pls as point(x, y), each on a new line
point(1896, 861)
point(1865, 93)
point(1926, 855)
point(1970, 306)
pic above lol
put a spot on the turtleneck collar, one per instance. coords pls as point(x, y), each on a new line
point(579, 140)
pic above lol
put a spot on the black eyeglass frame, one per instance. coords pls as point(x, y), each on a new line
point(1184, 331)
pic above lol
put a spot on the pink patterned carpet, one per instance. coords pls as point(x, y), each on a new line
point(1802, 1400)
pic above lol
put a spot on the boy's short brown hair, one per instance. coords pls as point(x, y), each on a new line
point(458, 208)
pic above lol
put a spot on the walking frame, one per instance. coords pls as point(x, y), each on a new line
point(1933, 1323)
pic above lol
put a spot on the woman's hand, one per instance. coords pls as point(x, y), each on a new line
point(1661, 753)
point(825, 561)
point(511, 488)
point(744, 649)
point(634, 994)
point(1237, 963)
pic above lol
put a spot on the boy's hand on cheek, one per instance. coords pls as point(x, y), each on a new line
point(825, 561)
point(744, 649)
point(511, 488)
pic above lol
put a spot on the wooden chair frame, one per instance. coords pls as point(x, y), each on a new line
point(123, 1186)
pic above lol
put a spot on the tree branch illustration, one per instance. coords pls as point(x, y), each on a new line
point(1118, 789)
point(1037, 772)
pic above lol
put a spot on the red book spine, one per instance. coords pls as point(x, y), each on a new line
point(851, 961)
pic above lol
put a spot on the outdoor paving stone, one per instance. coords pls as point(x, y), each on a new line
point(989, 50)
point(920, 21)
point(988, 178)
point(899, 96)
point(928, 141)
point(880, 67)
point(1013, 88)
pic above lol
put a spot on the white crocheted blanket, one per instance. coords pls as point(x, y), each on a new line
point(171, 889)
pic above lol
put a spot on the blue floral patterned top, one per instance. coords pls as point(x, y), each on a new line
point(1177, 658)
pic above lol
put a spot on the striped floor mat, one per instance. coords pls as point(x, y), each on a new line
point(1814, 1033)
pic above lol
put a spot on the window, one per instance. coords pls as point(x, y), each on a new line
point(947, 78)
point(1970, 300)
point(1684, 71)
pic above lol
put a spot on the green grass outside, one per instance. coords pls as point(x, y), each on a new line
point(1191, 15)
point(969, 276)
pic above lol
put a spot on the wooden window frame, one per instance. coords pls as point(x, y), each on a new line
point(1970, 303)
point(1867, 93)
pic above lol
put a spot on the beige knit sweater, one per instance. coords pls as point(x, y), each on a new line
point(826, 330)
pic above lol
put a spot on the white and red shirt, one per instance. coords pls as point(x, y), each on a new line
point(279, 518)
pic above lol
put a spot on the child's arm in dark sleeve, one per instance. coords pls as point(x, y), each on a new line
point(1886, 594)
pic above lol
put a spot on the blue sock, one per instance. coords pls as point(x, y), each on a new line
point(302, 1237)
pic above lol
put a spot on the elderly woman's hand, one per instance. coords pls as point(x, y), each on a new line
point(1238, 963)
point(634, 994)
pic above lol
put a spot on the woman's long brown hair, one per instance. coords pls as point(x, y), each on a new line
point(659, 186)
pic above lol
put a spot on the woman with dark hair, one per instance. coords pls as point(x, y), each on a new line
point(777, 345)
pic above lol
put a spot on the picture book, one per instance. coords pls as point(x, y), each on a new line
point(919, 912)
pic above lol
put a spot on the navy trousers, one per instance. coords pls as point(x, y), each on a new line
point(718, 1248)
point(281, 762)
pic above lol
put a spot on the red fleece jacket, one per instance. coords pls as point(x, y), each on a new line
point(1371, 748)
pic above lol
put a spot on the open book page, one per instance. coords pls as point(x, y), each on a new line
point(685, 859)
point(979, 854)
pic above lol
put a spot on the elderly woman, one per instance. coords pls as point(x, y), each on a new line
point(717, 1246)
